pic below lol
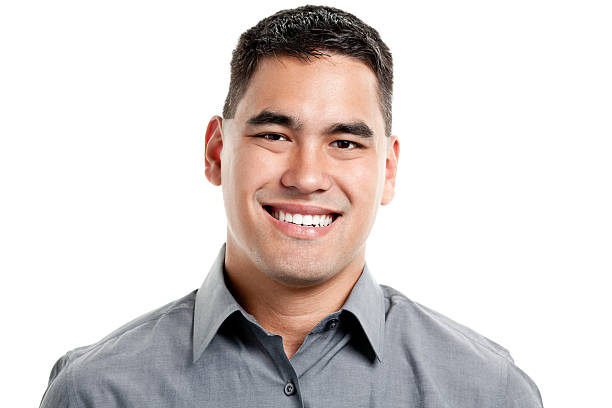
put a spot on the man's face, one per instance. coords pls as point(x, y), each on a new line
point(307, 140)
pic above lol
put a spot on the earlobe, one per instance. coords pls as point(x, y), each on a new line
point(213, 144)
point(393, 151)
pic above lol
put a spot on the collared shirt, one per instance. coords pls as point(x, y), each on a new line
point(204, 350)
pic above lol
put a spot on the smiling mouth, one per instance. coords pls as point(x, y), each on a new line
point(306, 220)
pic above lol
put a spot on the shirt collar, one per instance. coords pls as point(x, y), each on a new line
point(367, 303)
point(214, 304)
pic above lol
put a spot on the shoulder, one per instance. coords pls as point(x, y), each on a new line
point(137, 345)
point(155, 327)
point(427, 323)
point(452, 356)
point(520, 391)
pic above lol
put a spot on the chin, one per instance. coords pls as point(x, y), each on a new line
point(299, 273)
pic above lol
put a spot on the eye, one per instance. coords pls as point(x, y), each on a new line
point(271, 136)
point(346, 144)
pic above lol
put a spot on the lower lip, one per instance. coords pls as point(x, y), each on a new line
point(300, 231)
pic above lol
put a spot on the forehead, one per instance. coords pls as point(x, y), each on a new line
point(320, 90)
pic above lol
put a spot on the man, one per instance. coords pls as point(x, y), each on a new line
point(289, 314)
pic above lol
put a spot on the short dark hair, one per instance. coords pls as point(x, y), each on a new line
point(305, 32)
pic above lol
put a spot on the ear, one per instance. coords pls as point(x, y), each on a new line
point(213, 144)
point(393, 150)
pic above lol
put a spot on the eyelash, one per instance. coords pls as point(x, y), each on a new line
point(263, 136)
point(355, 144)
point(276, 137)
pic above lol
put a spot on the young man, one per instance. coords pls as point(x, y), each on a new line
point(289, 314)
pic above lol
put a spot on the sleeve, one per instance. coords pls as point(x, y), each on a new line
point(56, 395)
point(521, 391)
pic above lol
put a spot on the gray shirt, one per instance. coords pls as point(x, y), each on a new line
point(204, 350)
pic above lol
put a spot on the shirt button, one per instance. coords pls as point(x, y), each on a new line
point(289, 388)
point(332, 323)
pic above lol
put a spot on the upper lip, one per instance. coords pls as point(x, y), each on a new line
point(301, 208)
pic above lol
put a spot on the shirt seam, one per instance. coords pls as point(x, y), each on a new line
point(437, 319)
point(71, 392)
point(504, 397)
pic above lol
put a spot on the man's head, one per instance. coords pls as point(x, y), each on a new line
point(305, 33)
point(303, 153)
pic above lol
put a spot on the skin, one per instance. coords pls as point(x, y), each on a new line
point(290, 282)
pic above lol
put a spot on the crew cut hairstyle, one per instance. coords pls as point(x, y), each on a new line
point(305, 32)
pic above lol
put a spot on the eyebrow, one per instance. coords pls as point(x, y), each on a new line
point(357, 128)
point(265, 117)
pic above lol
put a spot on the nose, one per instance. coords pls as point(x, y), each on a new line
point(307, 170)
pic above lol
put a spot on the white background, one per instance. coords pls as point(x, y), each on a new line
point(502, 215)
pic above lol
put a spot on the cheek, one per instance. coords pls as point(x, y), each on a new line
point(255, 166)
point(361, 183)
point(249, 169)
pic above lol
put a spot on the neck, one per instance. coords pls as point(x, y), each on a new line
point(289, 311)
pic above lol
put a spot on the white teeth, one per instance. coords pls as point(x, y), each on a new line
point(306, 220)
point(297, 219)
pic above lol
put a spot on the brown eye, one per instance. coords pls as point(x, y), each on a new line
point(345, 144)
point(272, 136)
